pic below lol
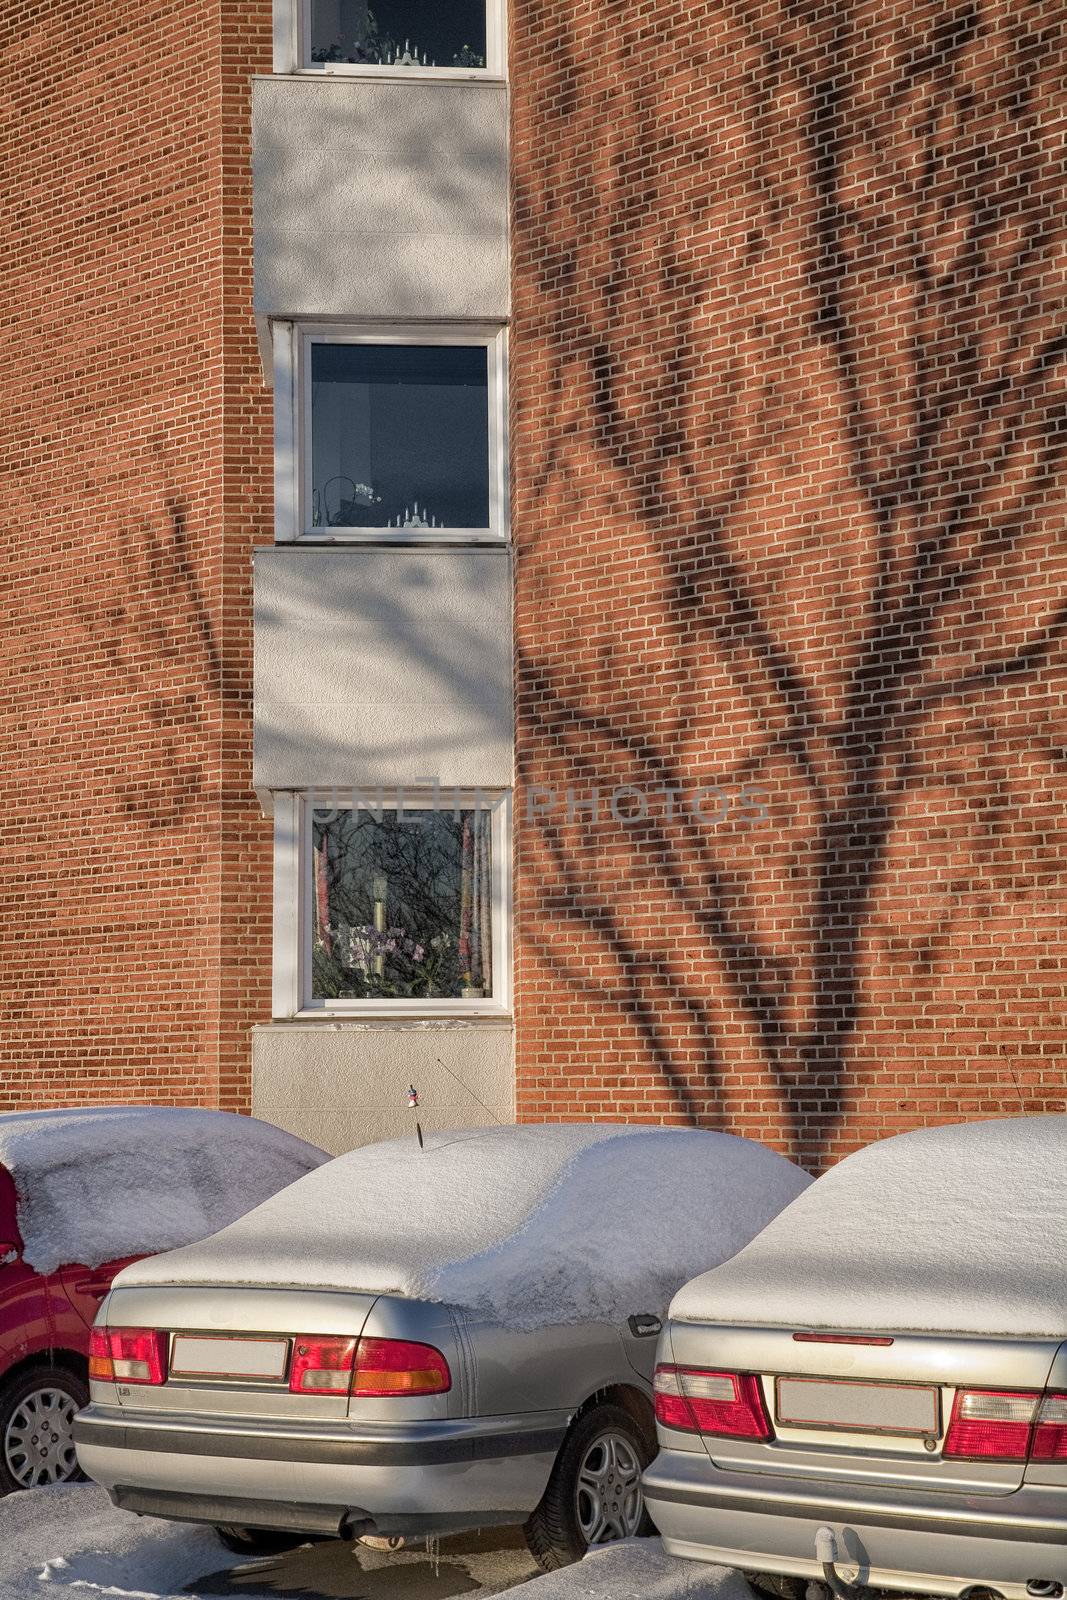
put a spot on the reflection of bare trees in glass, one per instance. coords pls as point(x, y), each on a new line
point(401, 904)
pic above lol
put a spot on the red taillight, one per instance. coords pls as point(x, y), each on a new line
point(367, 1367)
point(727, 1404)
point(1050, 1433)
point(128, 1355)
point(322, 1366)
point(100, 1365)
point(991, 1425)
point(396, 1367)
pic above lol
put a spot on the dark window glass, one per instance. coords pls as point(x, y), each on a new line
point(399, 32)
point(399, 436)
point(402, 905)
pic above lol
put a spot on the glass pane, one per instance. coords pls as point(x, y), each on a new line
point(401, 905)
point(399, 436)
point(399, 33)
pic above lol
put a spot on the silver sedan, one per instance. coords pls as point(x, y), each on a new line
point(875, 1391)
point(421, 1341)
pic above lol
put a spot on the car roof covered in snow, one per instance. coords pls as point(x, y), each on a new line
point(97, 1183)
point(955, 1230)
point(530, 1225)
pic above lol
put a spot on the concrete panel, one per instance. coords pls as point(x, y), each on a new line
point(382, 666)
point(380, 199)
point(344, 1085)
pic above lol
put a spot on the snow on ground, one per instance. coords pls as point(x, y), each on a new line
point(638, 1569)
point(70, 1538)
point(956, 1229)
point(531, 1225)
point(69, 1543)
point(99, 1183)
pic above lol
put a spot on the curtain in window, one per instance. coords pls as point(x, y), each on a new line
point(475, 937)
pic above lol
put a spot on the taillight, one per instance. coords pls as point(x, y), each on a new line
point(991, 1425)
point(100, 1365)
point(128, 1355)
point(726, 1404)
point(322, 1366)
point(367, 1367)
point(396, 1367)
point(1050, 1433)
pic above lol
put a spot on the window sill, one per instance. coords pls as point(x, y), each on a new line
point(458, 1012)
point(327, 73)
point(399, 536)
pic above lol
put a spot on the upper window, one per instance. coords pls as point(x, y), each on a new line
point(402, 35)
point(396, 437)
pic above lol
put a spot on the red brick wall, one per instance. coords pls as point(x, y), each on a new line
point(246, 835)
point(112, 506)
point(788, 424)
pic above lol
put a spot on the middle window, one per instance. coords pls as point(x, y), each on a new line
point(402, 437)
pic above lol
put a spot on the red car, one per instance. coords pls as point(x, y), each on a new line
point(82, 1193)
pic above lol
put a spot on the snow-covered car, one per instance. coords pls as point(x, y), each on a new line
point(411, 1342)
point(876, 1387)
point(81, 1193)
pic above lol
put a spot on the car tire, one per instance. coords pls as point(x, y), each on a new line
point(37, 1410)
point(594, 1495)
point(778, 1587)
point(260, 1541)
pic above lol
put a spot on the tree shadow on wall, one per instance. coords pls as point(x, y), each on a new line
point(804, 368)
point(151, 631)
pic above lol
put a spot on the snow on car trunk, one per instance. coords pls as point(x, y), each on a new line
point(953, 1230)
point(529, 1225)
point(99, 1183)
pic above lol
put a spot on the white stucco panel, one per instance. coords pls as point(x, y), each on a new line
point(380, 199)
point(345, 1085)
point(382, 666)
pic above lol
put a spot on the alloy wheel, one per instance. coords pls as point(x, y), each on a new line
point(610, 1501)
point(39, 1439)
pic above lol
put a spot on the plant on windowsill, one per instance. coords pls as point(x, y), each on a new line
point(368, 963)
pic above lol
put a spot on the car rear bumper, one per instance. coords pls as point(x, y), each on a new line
point(939, 1544)
point(420, 1477)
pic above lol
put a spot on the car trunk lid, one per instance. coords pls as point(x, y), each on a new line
point(229, 1349)
point(865, 1406)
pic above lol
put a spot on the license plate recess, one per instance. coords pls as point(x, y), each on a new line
point(205, 1356)
point(907, 1410)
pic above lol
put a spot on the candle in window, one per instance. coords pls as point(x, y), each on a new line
point(380, 890)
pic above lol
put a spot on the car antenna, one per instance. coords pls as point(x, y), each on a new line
point(413, 1105)
point(455, 1075)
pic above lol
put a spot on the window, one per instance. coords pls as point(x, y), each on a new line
point(397, 907)
point(399, 436)
point(463, 37)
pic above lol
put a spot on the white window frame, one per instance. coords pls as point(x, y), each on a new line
point(292, 996)
point(292, 50)
point(292, 344)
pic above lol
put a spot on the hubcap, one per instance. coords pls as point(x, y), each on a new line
point(610, 1501)
point(39, 1439)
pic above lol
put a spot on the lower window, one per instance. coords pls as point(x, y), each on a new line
point(397, 906)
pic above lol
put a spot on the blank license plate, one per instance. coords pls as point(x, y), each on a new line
point(228, 1358)
point(901, 1408)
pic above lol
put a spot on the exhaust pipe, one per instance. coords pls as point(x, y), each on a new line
point(826, 1554)
point(1045, 1589)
